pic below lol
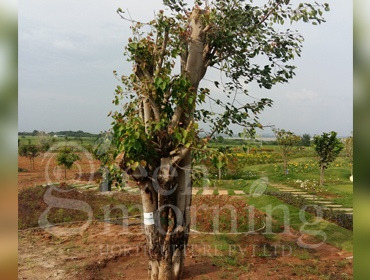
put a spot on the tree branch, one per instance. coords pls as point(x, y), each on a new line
point(164, 45)
point(179, 155)
point(175, 118)
point(155, 109)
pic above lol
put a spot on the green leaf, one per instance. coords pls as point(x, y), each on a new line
point(184, 133)
point(163, 86)
point(133, 45)
point(158, 81)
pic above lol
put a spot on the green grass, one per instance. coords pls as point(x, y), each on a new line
point(336, 236)
point(343, 189)
point(241, 184)
point(223, 242)
point(35, 140)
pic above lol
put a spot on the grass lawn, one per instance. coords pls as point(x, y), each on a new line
point(336, 236)
point(343, 188)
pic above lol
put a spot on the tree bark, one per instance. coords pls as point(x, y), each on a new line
point(167, 234)
point(285, 167)
point(322, 170)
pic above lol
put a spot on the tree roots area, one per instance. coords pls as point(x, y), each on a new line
point(99, 252)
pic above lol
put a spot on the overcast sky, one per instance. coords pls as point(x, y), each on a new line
point(69, 49)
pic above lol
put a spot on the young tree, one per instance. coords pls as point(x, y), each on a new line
point(29, 151)
point(67, 157)
point(220, 159)
point(44, 141)
point(327, 147)
point(101, 152)
point(306, 140)
point(158, 130)
point(286, 141)
point(245, 134)
point(348, 144)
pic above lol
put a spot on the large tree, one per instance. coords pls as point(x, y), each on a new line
point(157, 131)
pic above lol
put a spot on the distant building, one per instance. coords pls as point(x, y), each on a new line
point(59, 135)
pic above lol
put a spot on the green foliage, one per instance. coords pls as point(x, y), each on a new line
point(220, 139)
point(29, 151)
point(306, 140)
point(286, 140)
point(68, 133)
point(45, 146)
point(234, 35)
point(219, 159)
point(348, 144)
point(109, 171)
point(327, 147)
point(67, 156)
point(101, 150)
point(44, 141)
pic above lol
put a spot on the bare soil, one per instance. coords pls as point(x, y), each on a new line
point(47, 171)
point(99, 253)
point(115, 255)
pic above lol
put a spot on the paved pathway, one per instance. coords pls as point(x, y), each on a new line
point(326, 203)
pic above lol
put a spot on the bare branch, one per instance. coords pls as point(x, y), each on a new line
point(184, 57)
point(175, 118)
point(155, 109)
point(164, 45)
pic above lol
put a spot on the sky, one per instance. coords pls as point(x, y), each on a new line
point(69, 49)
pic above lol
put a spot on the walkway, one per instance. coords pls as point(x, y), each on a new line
point(326, 203)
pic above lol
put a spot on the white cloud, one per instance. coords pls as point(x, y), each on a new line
point(302, 95)
point(65, 44)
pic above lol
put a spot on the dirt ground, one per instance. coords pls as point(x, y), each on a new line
point(46, 170)
point(100, 252)
point(118, 255)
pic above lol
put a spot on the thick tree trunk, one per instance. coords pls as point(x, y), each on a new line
point(168, 237)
